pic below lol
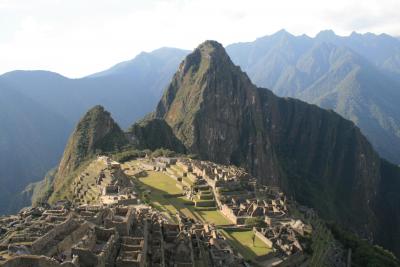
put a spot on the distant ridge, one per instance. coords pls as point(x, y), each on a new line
point(163, 56)
point(31, 140)
point(358, 76)
point(37, 122)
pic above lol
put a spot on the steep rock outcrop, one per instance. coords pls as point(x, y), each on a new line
point(388, 207)
point(153, 134)
point(318, 157)
point(96, 132)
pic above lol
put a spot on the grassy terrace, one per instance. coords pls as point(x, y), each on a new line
point(322, 242)
point(167, 197)
point(186, 179)
point(243, 241)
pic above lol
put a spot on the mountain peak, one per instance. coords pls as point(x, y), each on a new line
point(96, 132)
point(212, 49)
point(37, 74)
point(282, 32)
point(206, 76)
point(98, 109)
point(210, 44)
point(215, 111)
point(326, 35)
point(207, 55)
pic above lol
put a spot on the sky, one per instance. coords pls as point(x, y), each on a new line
point(79, 37)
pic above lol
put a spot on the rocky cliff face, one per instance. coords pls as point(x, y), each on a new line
point(95, 133)
point(153, 133)
point(356, 76)
point(388, 208)
point(319, 158)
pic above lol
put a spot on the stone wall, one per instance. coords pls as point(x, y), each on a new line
point(127, 201)
point(69, 240)
point(204, 203)
point(68, 226)
point(184, 166)
point(263, 238)
point(123, 227)
point(228, 213)
point(87, 254)
point(296, 259)
point(36, 261)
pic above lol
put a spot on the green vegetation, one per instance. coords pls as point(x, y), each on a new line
point(167, 197)
point(42, 190)
point(61, 188)
point(162, 152)
point(321, 242)
point(243, 241)
point(256, 221)
point(155, 134)
point(187, 96)
point(131, 153)
point(212, 216)
point(363, 253)
point(161, 181)
point(127, 155)
point(38, 192)
point(96, 132)
point(160, 190)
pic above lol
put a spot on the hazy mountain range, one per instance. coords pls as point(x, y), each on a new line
point(357, 76)
point(39, 108)
point(31, 140)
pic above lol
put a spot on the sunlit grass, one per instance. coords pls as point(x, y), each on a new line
point(167, 197)
point(243, 241)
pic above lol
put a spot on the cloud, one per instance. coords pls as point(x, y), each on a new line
point(363, 16)
point(77, 37)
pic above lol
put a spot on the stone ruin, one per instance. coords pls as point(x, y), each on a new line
point(96, 235)
point(240, 198)
point(108, 186)
point(118, 233)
